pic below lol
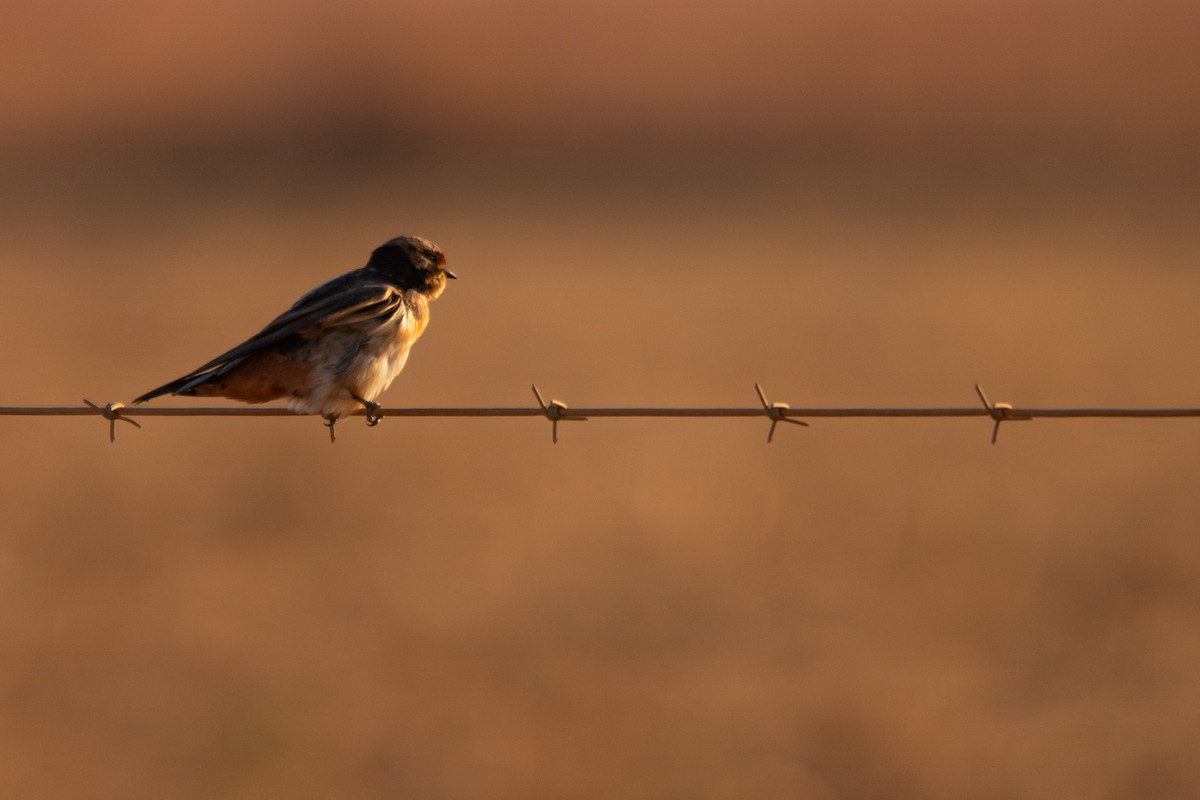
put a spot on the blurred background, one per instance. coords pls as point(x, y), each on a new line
point(854, 203)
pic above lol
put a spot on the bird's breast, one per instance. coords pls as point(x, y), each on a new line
point(383, 354)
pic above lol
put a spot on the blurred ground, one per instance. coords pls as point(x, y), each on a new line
point(852, 203)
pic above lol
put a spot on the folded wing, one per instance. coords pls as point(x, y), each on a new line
point(339, 302)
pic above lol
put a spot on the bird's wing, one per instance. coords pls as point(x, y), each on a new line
point(342, 301)
point(318, 311)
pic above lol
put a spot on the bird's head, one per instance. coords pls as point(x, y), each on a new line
point(413, 263)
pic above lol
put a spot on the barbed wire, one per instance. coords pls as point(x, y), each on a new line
point(557, 411)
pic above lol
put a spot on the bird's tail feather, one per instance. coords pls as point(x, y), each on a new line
point(186, 385)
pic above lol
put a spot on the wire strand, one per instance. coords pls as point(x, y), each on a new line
point(556, 411)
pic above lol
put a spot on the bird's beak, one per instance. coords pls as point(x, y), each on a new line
point(450, 274)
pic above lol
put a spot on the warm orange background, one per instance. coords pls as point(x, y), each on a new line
point(853, 203)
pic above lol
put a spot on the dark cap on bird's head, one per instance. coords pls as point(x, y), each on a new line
point(412, 262)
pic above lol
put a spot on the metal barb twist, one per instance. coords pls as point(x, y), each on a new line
point(777, 413)
point(1000, 412)
point(112, 413)
point(555, 411)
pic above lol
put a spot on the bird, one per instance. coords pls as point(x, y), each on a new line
point(339, 346)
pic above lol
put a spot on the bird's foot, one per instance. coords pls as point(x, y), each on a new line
point(373, 415)
point(330, 421)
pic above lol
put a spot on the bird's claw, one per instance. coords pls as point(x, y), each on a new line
point(373, 415)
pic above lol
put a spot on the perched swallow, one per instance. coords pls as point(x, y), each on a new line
point(340, 346)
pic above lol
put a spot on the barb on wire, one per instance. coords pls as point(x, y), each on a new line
point(555, 411)
point(1000, 412)
point(112, 413)
point(777, 412)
